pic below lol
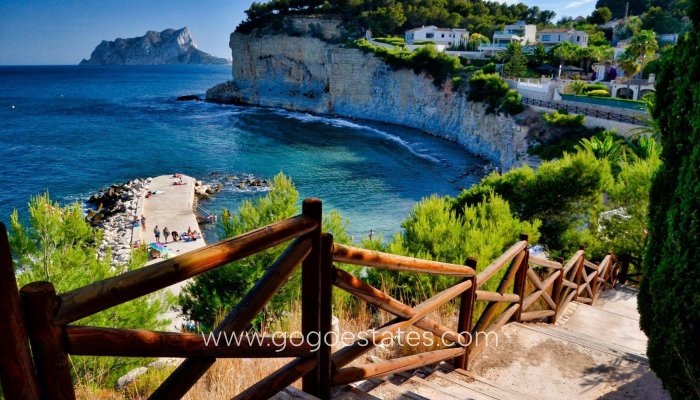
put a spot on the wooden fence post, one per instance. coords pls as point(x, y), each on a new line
point(580, 270)
point(17, 374)
point(520, 278)
point(48, 341)
point(625, 269)
point(556, 292)
point(466, 314)
point(324, 365)
point(311, 290)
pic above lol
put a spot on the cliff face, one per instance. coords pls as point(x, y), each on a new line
point(168, 47)
point(307, 74)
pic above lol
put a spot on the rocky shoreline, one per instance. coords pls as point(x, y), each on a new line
point(114, 208)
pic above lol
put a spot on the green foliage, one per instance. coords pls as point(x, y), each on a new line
point(600, 16)
point(598, 93)
point(210, 296)
point(426, 59)
point(435, 231)
point(606, 146)
point(57, 245)
point(641, 50)
point(489, 68)
point(393, 17)
point(617, 7)
point(564, 194)
point(394, 41)
point(578, 87)
point(624, 229)
point(595, 86)
point(668, 298)
point(494, 91)
point(516, 64)
point(563, 119)
point(661, 21)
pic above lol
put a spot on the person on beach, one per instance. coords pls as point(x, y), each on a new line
point(143, 223)
point(156, 232)
point(175, 237)
point(166, 234)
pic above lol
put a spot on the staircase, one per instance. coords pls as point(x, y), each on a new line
point(592, 352)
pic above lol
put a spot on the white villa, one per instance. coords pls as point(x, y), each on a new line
point(551, 37)
point(519, 32)
point(441, 36)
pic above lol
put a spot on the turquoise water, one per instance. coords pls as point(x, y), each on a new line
point(76, 129)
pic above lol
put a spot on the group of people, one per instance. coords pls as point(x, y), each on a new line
point(190, 235)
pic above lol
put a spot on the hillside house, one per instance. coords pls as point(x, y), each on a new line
point(441, 36)
point(552, 37)
point(519, 32)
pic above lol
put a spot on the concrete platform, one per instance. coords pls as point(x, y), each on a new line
point(171, 207)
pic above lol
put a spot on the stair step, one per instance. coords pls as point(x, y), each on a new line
point(352, 393)
point(389, 391)
point(458, 387)
point(590, 342)
point(427, 389)
point(487, 387)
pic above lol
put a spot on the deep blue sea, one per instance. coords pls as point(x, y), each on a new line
point(72, 130)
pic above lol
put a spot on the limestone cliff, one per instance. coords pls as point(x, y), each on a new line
point(167, 47)
point(303, 73)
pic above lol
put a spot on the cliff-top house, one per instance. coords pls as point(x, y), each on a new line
point(440, 36)
point(552, 37)
point(519, 32)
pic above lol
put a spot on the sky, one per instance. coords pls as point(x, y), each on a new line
point(65, 32)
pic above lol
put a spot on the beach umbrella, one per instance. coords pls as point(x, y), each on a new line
point(546, 68)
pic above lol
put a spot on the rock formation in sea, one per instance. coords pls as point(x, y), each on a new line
point(167, 47)
point(304, 73)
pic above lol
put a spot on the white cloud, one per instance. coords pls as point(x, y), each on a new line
point(578, 3)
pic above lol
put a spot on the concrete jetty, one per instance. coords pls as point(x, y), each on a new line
point(171, 206)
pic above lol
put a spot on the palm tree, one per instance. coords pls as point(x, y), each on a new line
point(651, 126)
point(609, 147)
point(638, 54)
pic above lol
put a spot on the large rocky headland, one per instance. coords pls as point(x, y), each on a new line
point(312, 71)
point(167, 47)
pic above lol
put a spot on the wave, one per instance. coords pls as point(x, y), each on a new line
point(342, 123)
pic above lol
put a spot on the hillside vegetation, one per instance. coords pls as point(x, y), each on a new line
point(393, 17)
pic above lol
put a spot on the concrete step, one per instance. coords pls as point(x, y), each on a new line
point(589, 341)
point(551, 365)
point(606, 326)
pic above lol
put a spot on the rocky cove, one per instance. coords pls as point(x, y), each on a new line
point(309, 73)
point(115, 208)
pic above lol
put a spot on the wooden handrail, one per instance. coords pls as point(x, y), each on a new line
point(354, 374)
point(52, 340)
point(375, 259)
point(376, 297)
point(91, 341)
point(545, 262)
point(189, 372)
point(100, 296)
point(345, 355)
point(499, 263)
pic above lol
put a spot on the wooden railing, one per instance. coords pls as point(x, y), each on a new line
point(38, 317)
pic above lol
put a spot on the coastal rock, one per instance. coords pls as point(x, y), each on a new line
point(167, 47)
point(305, 74)
point(189, 97)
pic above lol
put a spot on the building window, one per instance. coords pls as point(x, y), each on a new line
point(443, 35)
point(429, 35)
point(546, 38)
point(578, 38)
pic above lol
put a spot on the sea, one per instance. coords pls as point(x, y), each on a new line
point(70, 131)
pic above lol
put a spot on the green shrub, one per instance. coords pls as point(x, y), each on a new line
point(562, 118)
point(564, 194)
point(423, 42)
point(494, 91)
point(58, 245)
point(435, 231)
point(594, 86)
point(669, 304)
point(598, 93)
point(577, 87)
point(394, 41)
point(489, 68)
point(215, 293)
point(425, 59)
